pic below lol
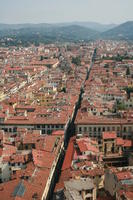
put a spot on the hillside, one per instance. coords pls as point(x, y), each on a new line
point(91, 25)
point(47, 34)
point(26, 34)
point(121, 32)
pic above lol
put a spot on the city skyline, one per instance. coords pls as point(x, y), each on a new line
point(55, 11)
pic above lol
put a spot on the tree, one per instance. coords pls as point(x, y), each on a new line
point(128, 71)
point(64, 89)
point(76, 60)
point(118, 106)
point(128, 90)
point(41, 58)
point(106, 65)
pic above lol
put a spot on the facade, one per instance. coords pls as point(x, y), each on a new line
point(82, 189)
point(5, 172)
point(117, 179)
point(44, 128)
point(95, 129)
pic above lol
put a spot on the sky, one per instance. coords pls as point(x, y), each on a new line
point(52, 11)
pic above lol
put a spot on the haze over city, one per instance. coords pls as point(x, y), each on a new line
point(53, 11)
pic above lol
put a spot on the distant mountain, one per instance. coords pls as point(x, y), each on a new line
point(121, 32)
point(26, 34)
point(91, 25)
point(75, 32)
point(19, 26)
point(48, 33)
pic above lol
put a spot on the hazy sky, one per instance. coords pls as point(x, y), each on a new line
point(38, 11)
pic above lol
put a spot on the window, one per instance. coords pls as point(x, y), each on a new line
point(90, 129)
point(108, 128)
point(49, 132)
point(15, 129)
point(113, 128)
point(118, 128)
point(99, 129)
point(38, 126)
point(5, 129)
point(125, 129)
point(43, 131)
point(103, 129)
point(85, 129)
point(80, 129)
point(129, 128)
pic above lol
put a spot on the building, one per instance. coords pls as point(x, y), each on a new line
point(117, 179)
point(82, 189)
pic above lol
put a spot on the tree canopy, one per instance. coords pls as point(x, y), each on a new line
point(76, 60)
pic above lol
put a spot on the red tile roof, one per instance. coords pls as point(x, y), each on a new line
point(109, 135)
point(60, 132)
point(129, 195)
point(69, 155)
point(119, 141)
point(124, 175)
point(6, 190)
point(82, 146)
point(43, 158)
point(128, 143)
